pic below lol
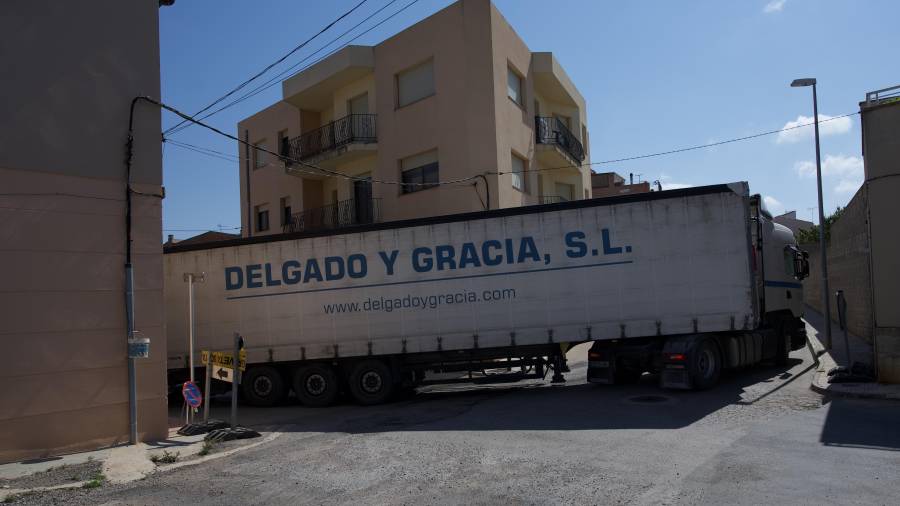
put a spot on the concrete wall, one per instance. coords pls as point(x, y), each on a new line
point(848, 268)
point(77, 66)
point(881, 152)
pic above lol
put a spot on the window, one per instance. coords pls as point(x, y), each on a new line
point(514, 86)
point(285, 210)
point(415, 84)
point(284, 143)
point(565, 191)
point(259, 156)
point(518, 173)
point(359, 104)
point(419, 172)
point(262, 219)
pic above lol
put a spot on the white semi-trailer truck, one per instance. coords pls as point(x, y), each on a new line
point(684, 283)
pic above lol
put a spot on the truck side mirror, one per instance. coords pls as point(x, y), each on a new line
point(801, 264)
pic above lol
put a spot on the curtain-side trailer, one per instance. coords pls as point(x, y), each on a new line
point(373, 308)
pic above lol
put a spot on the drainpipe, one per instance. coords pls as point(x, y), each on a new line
point(247, 170)
point(129, 280)
point(487, 191)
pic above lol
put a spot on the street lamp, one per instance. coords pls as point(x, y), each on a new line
point(800, 83)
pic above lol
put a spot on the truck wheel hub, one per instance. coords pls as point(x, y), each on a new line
point(371, 382)
point(262, 386)
point(706, 363)
point(315, 384)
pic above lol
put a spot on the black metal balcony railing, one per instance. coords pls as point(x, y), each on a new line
point(341, 214)
point(552, 199)
point(554, 131)
point(340, 132)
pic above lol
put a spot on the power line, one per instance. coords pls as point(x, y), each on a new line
point(269, 67)
point(229, 157)
point(681, 150)
point(277, 78)
point(322, 170)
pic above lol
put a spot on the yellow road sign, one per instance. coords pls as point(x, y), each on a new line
point(223, 359)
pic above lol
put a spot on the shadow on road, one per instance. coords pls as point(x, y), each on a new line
point(536, 406)
point(862, 424)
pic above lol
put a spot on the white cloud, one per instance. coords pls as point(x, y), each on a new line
point(667, 184)
point(774, 6)
point(848, 170)
point(847, 186)
point(675, 186)
point(827, 126)
point(773, 205)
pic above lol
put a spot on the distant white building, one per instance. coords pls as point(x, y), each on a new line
point(791, 221)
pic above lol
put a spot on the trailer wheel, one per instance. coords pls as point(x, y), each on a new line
point(371, 382)
point(705, 365)
point(316, 385)
point(262, 386)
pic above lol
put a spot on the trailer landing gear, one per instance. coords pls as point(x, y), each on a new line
point(559, 365)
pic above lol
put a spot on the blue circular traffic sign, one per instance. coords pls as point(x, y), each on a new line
point(191, 394)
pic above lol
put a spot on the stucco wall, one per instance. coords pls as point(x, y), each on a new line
point(881, 151)
point(62, 231)
point(458, 120)
point(848, 268)
point(270, 183)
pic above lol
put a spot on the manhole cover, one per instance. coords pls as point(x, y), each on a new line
point(649, 399)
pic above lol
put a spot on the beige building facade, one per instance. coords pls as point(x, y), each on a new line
point(77, 66)
point(880, 119)
point(611, 184)
point(453, 114)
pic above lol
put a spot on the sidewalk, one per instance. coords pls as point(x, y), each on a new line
point(121, 464)
point(860, 351)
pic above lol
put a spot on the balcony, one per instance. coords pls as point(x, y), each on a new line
point(552, 199)
point(552, 131)
point(340, 137)
point(338, 215)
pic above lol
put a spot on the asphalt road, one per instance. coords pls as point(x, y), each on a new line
point(760, 437)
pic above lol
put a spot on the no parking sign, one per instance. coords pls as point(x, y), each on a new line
point(191, 394)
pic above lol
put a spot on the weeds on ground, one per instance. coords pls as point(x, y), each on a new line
point(207, 448)
point(96, 481)
point(165, 458)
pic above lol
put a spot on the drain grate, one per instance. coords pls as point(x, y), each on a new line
point(649, 399)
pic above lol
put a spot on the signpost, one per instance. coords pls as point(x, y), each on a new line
point(223, 359)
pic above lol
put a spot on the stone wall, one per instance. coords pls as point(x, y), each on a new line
point(848, 268)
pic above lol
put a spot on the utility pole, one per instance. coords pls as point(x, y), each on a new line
point(826, 303)
point(190, 278)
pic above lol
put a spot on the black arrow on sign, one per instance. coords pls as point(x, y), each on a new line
point(221, 373)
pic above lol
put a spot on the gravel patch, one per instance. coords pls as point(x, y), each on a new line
point(59, 475)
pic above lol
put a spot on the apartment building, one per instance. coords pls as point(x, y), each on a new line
point(378, 133)
point(611, 184)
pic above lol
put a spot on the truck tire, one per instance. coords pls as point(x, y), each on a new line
point(262, 386)
point(316, 385)
point(705, 365)
point(371, 382)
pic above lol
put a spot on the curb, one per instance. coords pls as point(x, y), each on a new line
point(9, 492)
point(820, 384)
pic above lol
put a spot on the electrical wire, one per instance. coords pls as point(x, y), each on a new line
point(229, 157)
point(321, 170)
point(277, 78)
point(680, 150)
point(271, 65)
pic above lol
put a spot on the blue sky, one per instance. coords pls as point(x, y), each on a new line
point(657, 75)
